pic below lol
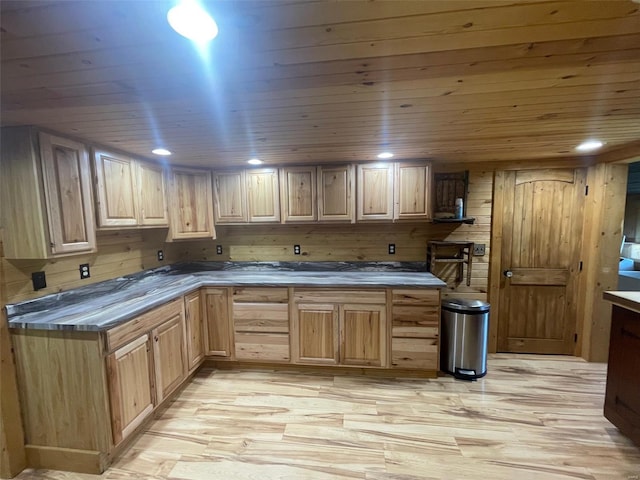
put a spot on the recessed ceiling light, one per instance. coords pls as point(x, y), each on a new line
point(589, 145)
point(385, 155)
point(161, 151)
point(192, 21)
point(255, 161)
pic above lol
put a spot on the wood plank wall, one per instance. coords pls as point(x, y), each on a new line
point(359, 242)
point(125, 252)
point(119, 253)
point(12, 453)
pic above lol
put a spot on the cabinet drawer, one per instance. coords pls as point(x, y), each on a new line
point(272, 347)
point(414, 353)
point(412, 331)
point(264, 295)
point(340, 296)
point(143, 323)
point(415, 297)
point(426, 316)
point(261, 317)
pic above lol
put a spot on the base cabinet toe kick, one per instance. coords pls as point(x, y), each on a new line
point(86, 394)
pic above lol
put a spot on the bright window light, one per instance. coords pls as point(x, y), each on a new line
point(161, 151)
point(254, 161)
point(589, 145)
point(192, 21)
point(385, 155)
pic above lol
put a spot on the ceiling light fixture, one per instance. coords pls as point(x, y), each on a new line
point(161, 151)
point(385, 155)
point(589, 145)
point(192, 21)
point(255, 161)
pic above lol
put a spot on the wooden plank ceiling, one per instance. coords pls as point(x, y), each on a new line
point(295, 82)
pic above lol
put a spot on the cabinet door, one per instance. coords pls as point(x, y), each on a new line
point(190, 204)
point(298, 194)
point(375, 192)
point(363, 335)
point(116, 189)
point(230, 197)
point(218, 322)
point(195, 329)
point(315, 334)
point(67, 182)
point(412, 191)
point(336, 199)
point(130, 387)
point(169, 356)
point(263, 195)
point(152, 195)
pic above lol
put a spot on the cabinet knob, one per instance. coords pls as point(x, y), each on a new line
point(508, 273)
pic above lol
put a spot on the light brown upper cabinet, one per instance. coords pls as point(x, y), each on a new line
point(129, 193)
point(190, 204)
point(247, 196)
point(412, 191)
point(375, 191)
point(298, 194)
point(54, 220)
point(394, 191)
point(230, 197)
point(263, 197)
point(336, 199)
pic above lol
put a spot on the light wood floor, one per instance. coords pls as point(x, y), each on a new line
point(532, 417)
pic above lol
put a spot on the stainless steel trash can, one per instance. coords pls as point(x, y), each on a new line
point(465, 331)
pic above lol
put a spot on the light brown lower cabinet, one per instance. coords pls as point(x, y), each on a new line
point(130, 373)
point(169, 356)
point(415, 330)
point(218, 329)
point(194, 320)
point(261, 324)
point(328, 328)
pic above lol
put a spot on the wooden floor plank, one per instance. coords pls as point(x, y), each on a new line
point(531, 417)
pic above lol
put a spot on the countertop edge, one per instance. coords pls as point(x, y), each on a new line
point(121, 312)
point(624, 299)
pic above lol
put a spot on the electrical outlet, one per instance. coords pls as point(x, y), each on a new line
point(218, 249)
point(478, 249)
point(296, 249)
point(84, 271)
point(160, 255)
point(39, 280)
point(392, 249)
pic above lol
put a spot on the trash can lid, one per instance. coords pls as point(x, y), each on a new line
point(466, 305)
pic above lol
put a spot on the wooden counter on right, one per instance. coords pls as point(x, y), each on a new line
point(622, 398)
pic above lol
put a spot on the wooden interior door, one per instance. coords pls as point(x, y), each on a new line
point(541, 222)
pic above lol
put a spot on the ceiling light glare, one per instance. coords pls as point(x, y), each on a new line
point(254, 161)
point(385, 155)
point(161, 151)
point(589, 145)
point(192, 21)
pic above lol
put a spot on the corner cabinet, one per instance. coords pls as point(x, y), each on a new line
point(190, 204)
point(57, 219)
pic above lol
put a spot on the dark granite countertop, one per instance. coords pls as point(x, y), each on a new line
point(103, 305)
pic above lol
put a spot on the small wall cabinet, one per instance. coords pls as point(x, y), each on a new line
point(190, 204)
point(336, 193)
point(375, 192)
point(298, 197)
point(247, 196)
point(129, 193)
point(57, 219)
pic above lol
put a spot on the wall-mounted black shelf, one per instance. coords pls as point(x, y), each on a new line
point(469, 220)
